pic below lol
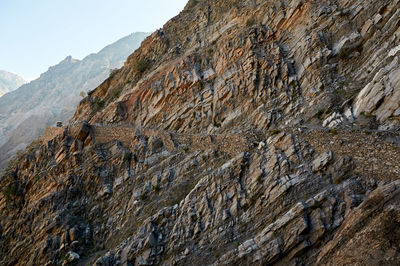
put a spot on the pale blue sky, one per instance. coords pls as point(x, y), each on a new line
point(36, 34)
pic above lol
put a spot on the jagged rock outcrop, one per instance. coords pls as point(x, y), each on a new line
point(26, 112)
point(289, 63)
point(242, 132)
point(9, 82)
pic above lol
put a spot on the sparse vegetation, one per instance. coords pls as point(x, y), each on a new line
point(113, 72)
point(371, 116)
point(20, 153)
point(33, 146)
point(274, 132)
point(250, 22)
point(128, 157)
point(143, 196)
point(217, 124)
point(10, 191)
point(63, 256)
point(191, 4)
point(15, 161)
point(201, 85)
point(237, 3)
point(340, 179)
point(98, 104)
point(115, 93)
point(141, 66)
point(156, 188)
point(320, 114)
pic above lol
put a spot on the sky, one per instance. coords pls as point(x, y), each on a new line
point(36, 34)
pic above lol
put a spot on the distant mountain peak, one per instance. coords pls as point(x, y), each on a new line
point(9, 82)
point(53, 96)
point(69, 60)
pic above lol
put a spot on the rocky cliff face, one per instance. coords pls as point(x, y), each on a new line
point(243, 132)
point(55, 94)
point(9, 82)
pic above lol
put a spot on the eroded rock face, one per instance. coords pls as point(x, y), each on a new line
point(214, 150)
point(260, 64)
point(382, 95)
point(148, 201)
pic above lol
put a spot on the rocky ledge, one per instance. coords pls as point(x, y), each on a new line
point(243, 132)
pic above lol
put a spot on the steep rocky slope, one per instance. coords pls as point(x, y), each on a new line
point(9, 82)
point(243, 132)
point(55, 94)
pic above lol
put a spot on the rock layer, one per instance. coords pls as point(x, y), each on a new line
point(243, 132)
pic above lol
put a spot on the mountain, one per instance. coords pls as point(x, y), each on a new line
point(252, 132)
point(53, 97)
point(9, 82)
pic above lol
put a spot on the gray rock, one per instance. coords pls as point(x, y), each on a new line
point(347, 44)
point(321, 161)
point(71, 257)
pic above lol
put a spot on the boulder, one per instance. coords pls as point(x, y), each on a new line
point(321, 161)
point(70, 257)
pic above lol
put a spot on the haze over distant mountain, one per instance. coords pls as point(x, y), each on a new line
point(9, 82)
point(54, 96)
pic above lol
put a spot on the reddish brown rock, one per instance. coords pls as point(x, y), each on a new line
point(215, 151)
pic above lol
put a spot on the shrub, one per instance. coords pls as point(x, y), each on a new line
point(115, 93)
point(217, 124)
point(201, 85)
point(128, 157)
point(143, 196)
point(98, 104)
point(33, 146)
point(275, 132)
point(156, 188)
point(10, 191)
point(210, 52)
point(250, 22)
point(141, 66)
point(13, 163)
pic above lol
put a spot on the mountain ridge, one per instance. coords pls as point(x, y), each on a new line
point(241, 133)
point(54, 95)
